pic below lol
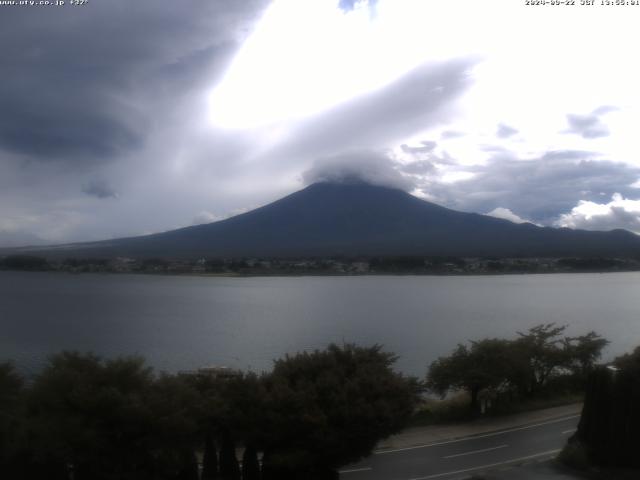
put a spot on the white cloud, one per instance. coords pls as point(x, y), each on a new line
point(620, 212)
point(506, 214)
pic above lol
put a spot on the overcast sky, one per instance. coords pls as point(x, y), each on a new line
point(122, 118)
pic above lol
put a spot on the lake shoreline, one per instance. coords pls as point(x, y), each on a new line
point(323, 274)
point(325, 266)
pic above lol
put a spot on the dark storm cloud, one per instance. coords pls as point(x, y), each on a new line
point(539, 189)
point(81, 85)
point(590, 125)
point(505, 131)
point(81, 135)
point(110, 91)
point(100, 189)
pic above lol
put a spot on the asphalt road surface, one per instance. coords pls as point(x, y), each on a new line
point(464, 457)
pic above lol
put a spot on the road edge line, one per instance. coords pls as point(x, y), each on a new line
point(491, 465)
point(475, 436)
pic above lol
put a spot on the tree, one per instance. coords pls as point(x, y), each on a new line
point(486, 365)
point(189, 468)
point(11, 418)
point(229, 467)
point(583, 352)
point(232, 409)
point(61, 399)
point(209, 459)
point(542, 347)
point(523, 365)
point(329, 408)
point(112, 419)
point(250, 464)
point(608, 428)
point(173, 431)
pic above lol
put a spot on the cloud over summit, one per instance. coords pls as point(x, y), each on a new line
point(373, 168)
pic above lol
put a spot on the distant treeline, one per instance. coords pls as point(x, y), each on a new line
point(323, 266)
point(24, 262)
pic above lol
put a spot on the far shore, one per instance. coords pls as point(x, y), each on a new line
point(329, 266)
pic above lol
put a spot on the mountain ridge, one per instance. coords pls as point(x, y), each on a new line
point(356, 219)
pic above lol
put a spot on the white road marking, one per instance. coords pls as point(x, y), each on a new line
point(353, 470)
point(466, 439)
point(476, 451)
point(571, 430)
point(491, 465)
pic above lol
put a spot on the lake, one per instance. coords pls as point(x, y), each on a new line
point(184, 322)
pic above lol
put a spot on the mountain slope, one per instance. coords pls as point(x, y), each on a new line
point(358, 219)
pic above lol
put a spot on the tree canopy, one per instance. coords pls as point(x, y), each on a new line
point(523, 365)
point(102, 419)
point(111, 418)
point(485, 365)
point(329, 408)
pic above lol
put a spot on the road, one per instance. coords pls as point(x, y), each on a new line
point(463, 457)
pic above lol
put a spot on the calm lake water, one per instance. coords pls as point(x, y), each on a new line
point(180, 322)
